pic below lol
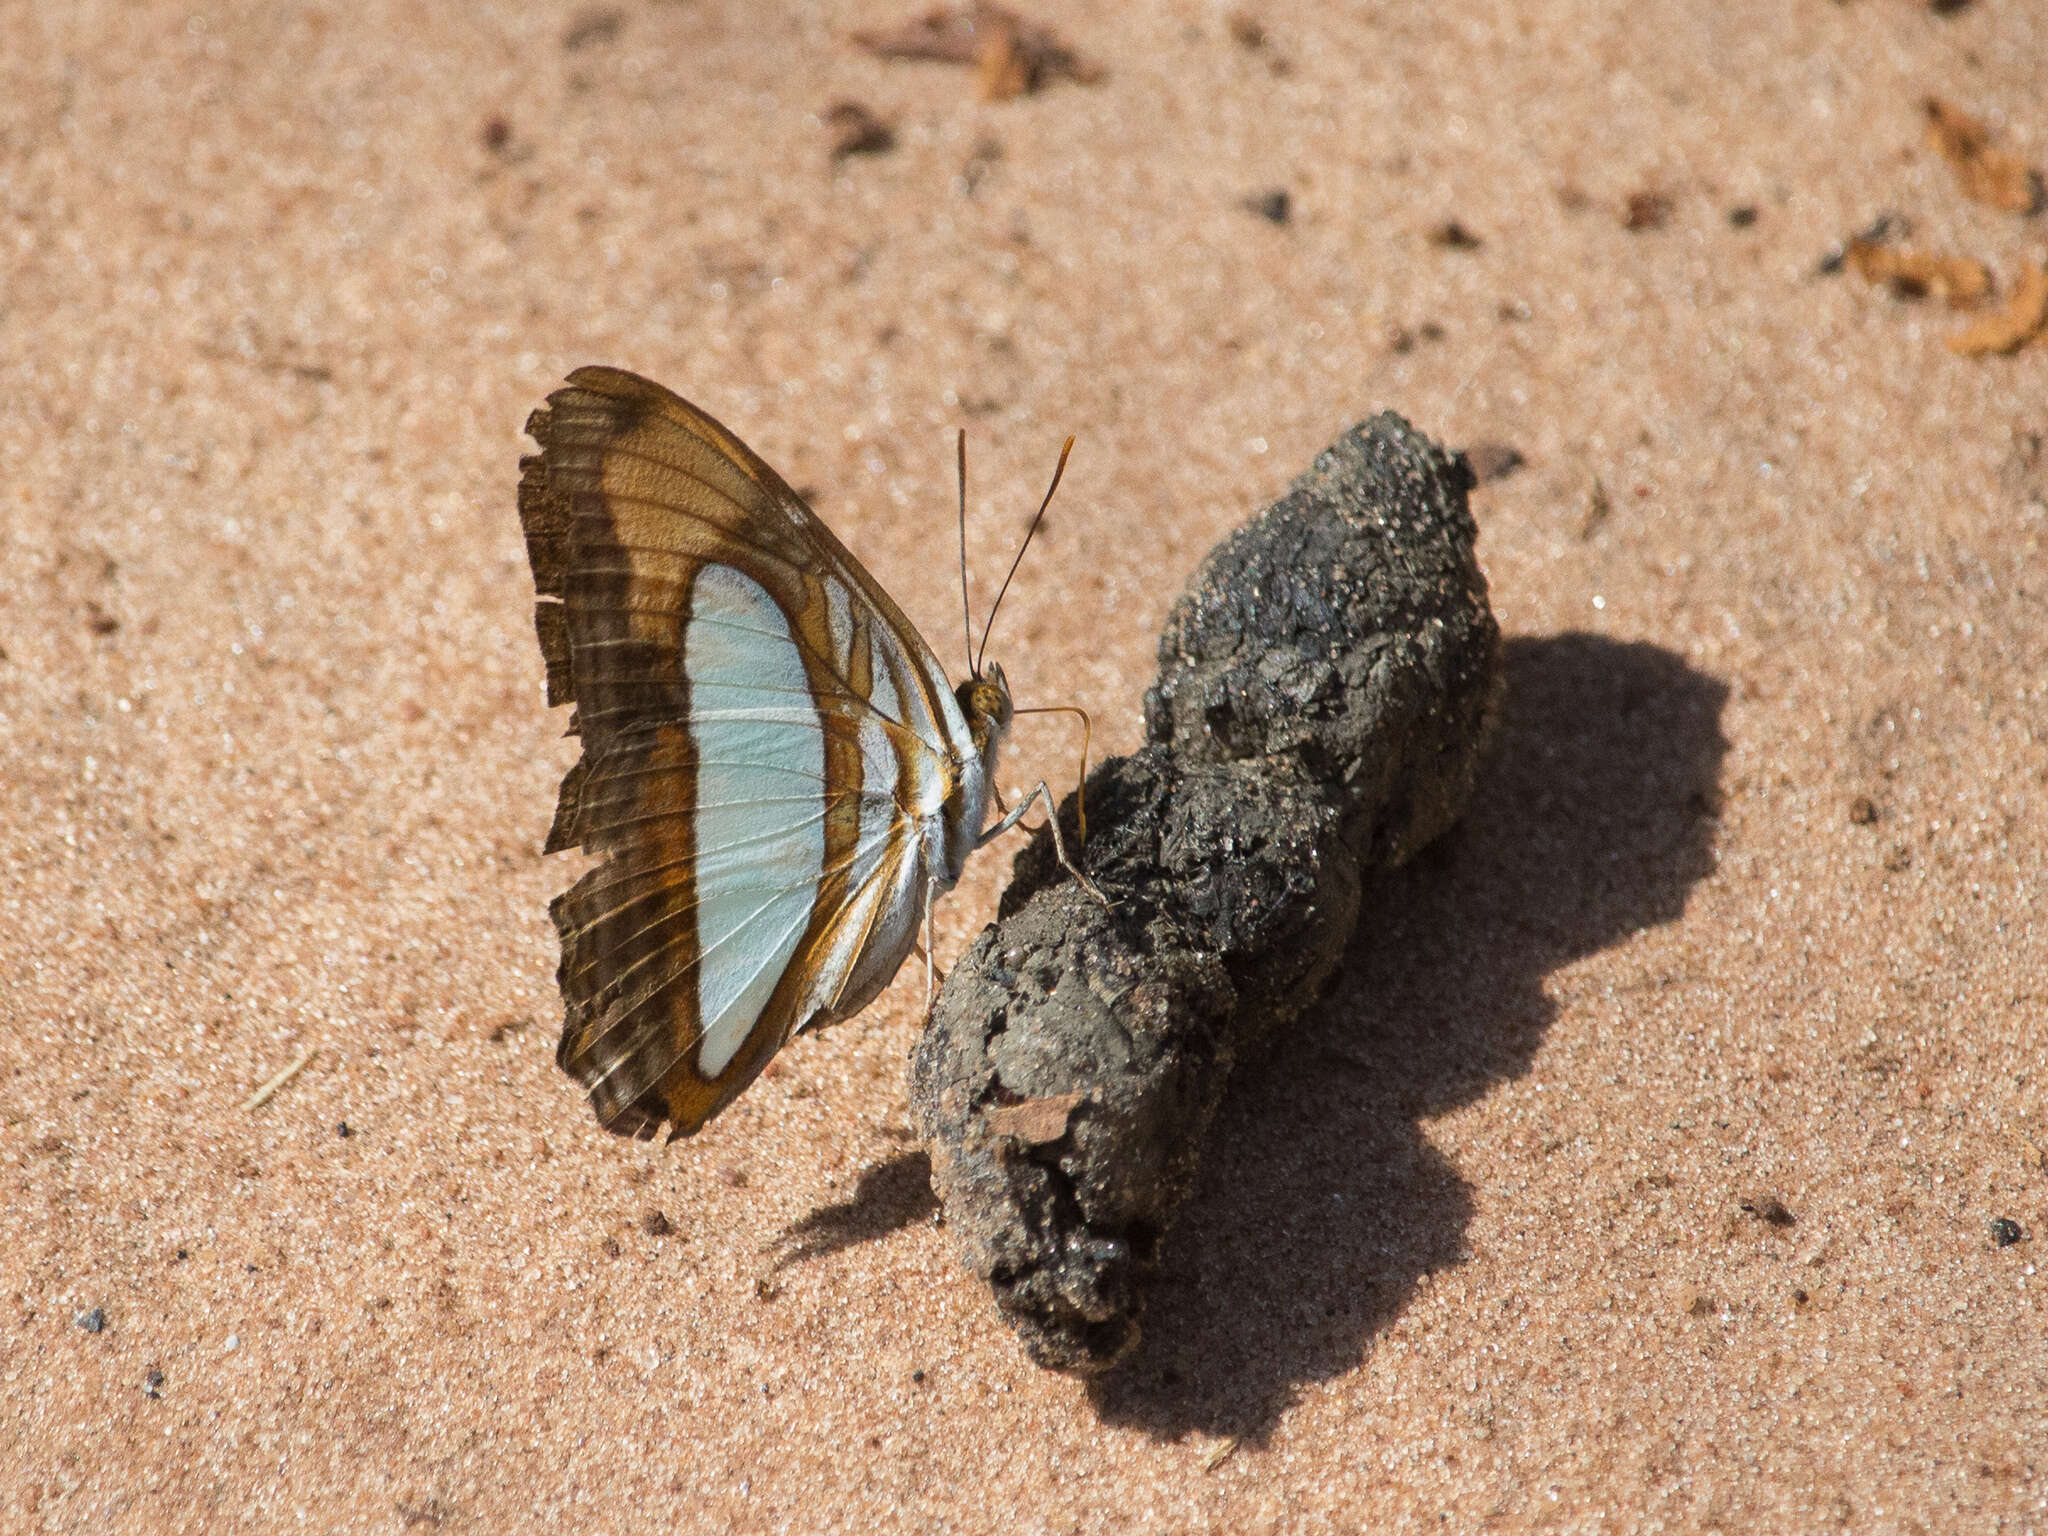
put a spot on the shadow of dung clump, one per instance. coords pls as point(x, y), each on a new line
point(1321, 1205)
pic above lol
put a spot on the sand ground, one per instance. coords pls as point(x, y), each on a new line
point(1640, 1175)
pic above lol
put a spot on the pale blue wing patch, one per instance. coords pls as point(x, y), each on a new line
point(760, 746)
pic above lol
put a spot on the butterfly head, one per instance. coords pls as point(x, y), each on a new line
point(985, 701)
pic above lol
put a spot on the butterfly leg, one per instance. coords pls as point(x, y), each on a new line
point(934, 975)
point(931, 901)
point(1059, 847)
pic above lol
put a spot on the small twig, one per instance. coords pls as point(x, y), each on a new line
point(1222, 1452)
point(268, 1091)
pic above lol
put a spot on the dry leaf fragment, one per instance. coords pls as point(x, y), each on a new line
point(857, 131)
point(1599, 505)
point(1913, 275)
point(1246, 30)
point(600, 25)
point(1010, 56)
point(1886, 226)
point(943, 36)
point(1221, 1452)
point(1647, 209)
point(1988, 175)
point(1493, 461)
point(1035, 1122)
point(1002, 71)
point(2024, 318)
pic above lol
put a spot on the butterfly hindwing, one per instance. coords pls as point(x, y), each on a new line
point(766, 740)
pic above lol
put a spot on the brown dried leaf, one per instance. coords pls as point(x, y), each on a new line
point(1010, 56)
point(1246, 30)
point(944, 36)
point(1035, 1122)
point(1001, 69)
point(2024, 318)
point(1988, 175)
point(1647, 209)
point(1914, 275)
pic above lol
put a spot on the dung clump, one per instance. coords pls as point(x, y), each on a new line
point(1326, 688)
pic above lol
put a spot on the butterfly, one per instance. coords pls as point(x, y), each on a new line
point(776, 776)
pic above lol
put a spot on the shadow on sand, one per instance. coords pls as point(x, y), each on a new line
point(1321, 1204)
point(890, 1196)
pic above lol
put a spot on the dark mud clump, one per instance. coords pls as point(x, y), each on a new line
point(1326, 689)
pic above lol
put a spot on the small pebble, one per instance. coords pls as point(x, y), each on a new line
point(153, 1383)
point(1275, 207)
point(1768, 1209)
point(93, 1321)
point(857, 131)
point(2005, 1231)
point(1452, 235)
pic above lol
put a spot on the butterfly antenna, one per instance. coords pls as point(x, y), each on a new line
point(966, 614)
point(1029, 533)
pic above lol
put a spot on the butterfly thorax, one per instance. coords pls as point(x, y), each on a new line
point(985, 705)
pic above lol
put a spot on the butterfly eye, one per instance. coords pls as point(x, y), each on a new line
point(991, 702)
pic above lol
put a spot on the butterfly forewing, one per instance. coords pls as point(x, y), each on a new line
point(766, 742)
